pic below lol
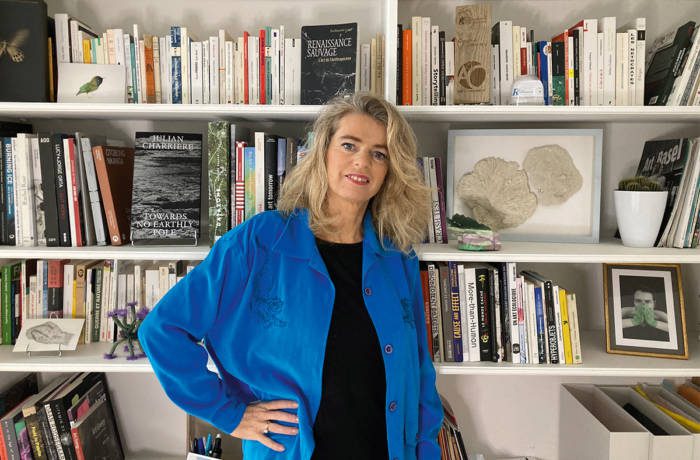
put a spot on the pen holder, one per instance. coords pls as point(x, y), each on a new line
point(193, 456)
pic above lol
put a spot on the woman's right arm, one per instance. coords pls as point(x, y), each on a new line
point(171, 333)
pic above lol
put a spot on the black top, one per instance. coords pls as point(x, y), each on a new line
point(351, 422)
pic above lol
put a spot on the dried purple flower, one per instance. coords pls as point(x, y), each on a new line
point(142, 312)
point(132, 304)
point(132, 357)
point(109, 356)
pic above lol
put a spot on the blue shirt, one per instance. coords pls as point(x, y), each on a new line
point(262, 301)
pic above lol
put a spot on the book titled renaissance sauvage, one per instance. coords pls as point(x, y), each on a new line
point(328, 61)
point(167, 188)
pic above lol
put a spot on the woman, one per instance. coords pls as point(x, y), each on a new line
point(313, 314)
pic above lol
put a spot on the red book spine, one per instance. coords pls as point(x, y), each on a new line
point(76, 198)
point(426, 309)
point(76, 443)
point(246, 99)
point(239, 184)
point(407, 68)
point(261, 76)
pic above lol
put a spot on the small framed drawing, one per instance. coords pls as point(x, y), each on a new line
point(527, 184)
point(39, 335)
point(644, 310)
point(91, 83)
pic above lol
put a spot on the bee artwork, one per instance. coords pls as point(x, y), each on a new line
point(12, 48)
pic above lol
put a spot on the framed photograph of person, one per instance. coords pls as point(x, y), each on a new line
point(644, 310)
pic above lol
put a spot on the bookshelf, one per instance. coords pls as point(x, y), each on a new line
point(504, 410)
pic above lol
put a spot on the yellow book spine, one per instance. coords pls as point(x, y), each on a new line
point(685, 422)
point(87, 53)
point(565, 331)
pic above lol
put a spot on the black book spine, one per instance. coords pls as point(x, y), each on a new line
point(493, 345)
point(483, 286)
point(61, 193)
point(270, 171)
point(48, 186)
point(506, 339)
point(60, 429)
point(10, 436)
point(577, 70)
point(552, 337)
point(442, 82)
point(46, 435)
point(36, 439)
point(9, 209)
point(660, 77)
point(399, 62)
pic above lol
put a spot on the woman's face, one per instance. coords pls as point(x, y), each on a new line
point(357, 161)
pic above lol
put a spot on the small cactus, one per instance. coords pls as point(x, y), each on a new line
point(640, 184)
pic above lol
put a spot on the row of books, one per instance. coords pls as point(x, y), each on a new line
point(267, 68)
point(675, 163)
point(432, 175)
point(480, 312)
point(68, 418)
point(89, 289)
point(449, 437)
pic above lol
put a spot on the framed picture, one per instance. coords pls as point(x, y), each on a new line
point(527, 184)
point(91, 83)
point(644, 310)
point(55, 334)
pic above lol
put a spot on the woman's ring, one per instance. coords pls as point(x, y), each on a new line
point(265, 431)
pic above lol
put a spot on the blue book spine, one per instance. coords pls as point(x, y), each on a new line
point(539, 312)
point(9, 192)
point(176, 73)
point(544, 69)
point(45, 289)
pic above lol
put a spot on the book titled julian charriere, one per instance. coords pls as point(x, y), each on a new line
point(328, 62)
point(167, 181)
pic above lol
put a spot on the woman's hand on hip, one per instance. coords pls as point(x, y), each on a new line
point(261, 417)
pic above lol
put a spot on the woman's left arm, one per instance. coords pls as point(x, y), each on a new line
point(430, 408)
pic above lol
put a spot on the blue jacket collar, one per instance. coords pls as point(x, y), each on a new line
point(297, 240)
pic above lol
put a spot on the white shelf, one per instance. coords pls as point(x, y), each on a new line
point(87, 358)
point(596, 363)
point(456, 113)
point(106, 252)
point(512, 251)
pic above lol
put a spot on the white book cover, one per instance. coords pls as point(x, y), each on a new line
point(62, 37)
point(252, 69)
point(574, 327)
point(231, 63)
point(24, 183)
point(163, 283)
point(515, 43)
point(18, 212)
point(373, 66)
point(68, 279)
point(111, 47)
point(259, 171)
point(76, 41)
point(495, 76)
point(511, 304)
point(497, 309)
point(206, 90)
point(167, 73)
point(434, 65)
point(640, 25)
point(196, 68)
point(156, 68)
point(505, 33)
point(531, 66)
point(364, 67)
point(138, 286)
point(425, 60)
point(570, 70)
point(426, 179)
point(296, 71)
point(472, 315)
point(523, 51)
point(113, 299)
point(609, 28)
point(450, 72)
point(106, 295)
point(550, 82)
point(589, 87)
point(40, 219)
point(143, 82)
point(600, 66)
point(463, 312)
point(89, 307)
point(437, 222)
point(152, 287)
point(32, 311)
point(417, 59)
point(185, 43)
point(239, 85)
point(69, 189)
point(228, 72)
point(688, 192)
point(222, 38)
point(105, 50)
point(119, 46)
point(381, 62)
point(621, 71)
point(282, 65)
point(121, 290)
point(214, 70)
point(531, 321)
point(631, 66)
point(275, 80)
point(140, 90)
point(130, 292)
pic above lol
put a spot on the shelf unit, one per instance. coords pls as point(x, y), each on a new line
point(495, 416)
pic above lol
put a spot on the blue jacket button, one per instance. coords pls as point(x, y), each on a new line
point(368, 291)
point(388, 349)
point(393, 406)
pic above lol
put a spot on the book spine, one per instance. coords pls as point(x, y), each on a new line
point(435, 314)
point(511, 275)
point(97, 306)
point(541, 330)
point(522, 326)
point(6, 306)
point(176, 67)
point(75, 435)
point(574, 327)
point(47, 438)
point(445, 308)
point(552, 338)
point(10, 437)
point(426, 306)
point(456, 312)
point(106, 194)
point(483, 287)
point(60, 191)
point(92, 192)
point(75, 195)
point(441, 199)
point(219, 186)
point(9, 211)
point(270, 171)
point(435, 194)
point(261, 67)
point(239, 184)
point(494, 328)
point(434, 65)
point(442, 82)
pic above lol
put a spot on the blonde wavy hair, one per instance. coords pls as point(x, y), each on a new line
point(401, 210)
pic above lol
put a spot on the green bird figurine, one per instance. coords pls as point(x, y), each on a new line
point(91, 86)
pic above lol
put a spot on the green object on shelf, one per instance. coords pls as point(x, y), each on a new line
point(639, 184)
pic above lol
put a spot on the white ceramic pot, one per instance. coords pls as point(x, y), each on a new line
point(639, 216)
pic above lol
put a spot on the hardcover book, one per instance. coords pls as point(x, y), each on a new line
point(95, 433)
point(115, 172)
point(23, 51)
point(219, 180)
point(328, 62)
point(160, 213)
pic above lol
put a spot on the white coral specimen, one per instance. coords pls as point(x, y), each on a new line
point(498, 194)
point(552, 173)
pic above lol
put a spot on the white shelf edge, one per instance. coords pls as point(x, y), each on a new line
point(467, 113)
point(596, 363)
point(515, 251)
point(106, 252)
